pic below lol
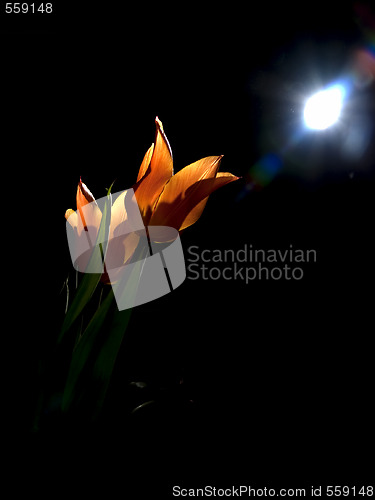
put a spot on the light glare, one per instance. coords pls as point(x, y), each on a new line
point(323, 109)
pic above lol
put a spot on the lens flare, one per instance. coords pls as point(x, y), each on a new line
point(363, 68)
point(323, 109)
point(261, 173)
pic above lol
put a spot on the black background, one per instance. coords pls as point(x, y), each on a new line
point(257, 384)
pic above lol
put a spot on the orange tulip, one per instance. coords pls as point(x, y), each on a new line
point(121, 244)
point(176, 200)
point(163, 199)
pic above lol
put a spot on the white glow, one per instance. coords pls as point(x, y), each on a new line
point(323, 109)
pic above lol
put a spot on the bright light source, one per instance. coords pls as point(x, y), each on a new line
point(323, 109)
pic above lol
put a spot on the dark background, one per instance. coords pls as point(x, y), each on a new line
point(259, 383)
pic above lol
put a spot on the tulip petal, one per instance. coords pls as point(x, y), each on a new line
point(118, 214)
point(184, 197)
point(84, 195)
point(120, 250)
point(222, 178)
point(145, 162)
point(123, 237)
point(87, 207)
point(72, 217)
point(125, 216)
point(158, 173)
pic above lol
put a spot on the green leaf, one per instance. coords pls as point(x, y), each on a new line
point(90, 280)
point(84, 348)
point(102, 342)
point(106, 359)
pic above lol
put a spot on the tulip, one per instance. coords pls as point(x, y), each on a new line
point(163, 198)
point(86, 222)
point(176, 200)
point(160, 199)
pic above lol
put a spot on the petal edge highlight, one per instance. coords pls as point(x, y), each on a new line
point(156, 176)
